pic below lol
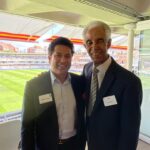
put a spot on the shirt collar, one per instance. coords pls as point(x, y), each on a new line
point(103, 67)
point(54, 79)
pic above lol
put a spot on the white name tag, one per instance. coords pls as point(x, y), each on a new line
point(45, 98)
point(110, 100)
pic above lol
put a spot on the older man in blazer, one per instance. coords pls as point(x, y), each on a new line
point(113, 113)
point(53, 109)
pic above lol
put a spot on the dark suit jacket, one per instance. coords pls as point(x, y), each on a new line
point(114, 127)
point(40, 129)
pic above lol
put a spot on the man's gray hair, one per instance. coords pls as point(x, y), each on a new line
point(100, 24)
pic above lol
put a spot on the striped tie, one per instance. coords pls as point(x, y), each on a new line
point(94, 87)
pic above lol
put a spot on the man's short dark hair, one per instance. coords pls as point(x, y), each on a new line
point(60, 41)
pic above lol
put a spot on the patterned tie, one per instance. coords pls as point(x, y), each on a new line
point(94, 87)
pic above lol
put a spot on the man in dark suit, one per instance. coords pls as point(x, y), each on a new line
point(53, 109)
point(113, 111)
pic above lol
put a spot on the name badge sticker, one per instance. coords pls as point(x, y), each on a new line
point(45, 98)
point(109, 100)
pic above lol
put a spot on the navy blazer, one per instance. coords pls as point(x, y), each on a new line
point(114, 127)
point(40, 129)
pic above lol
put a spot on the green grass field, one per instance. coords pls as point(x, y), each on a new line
point(12, 84)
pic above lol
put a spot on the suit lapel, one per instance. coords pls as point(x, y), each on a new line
point(74, 85)
point(47, 84)
point(106, 84)
point(88, 80)
point(47, 88)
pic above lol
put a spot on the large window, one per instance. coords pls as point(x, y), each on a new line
point(21, 61)
point(144, 70)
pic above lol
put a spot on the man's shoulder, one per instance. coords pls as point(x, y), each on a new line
point(74, 75)
point(39, 78)
point(87, 68)
point(76, 78)
point(126, 74)
point(87, 65)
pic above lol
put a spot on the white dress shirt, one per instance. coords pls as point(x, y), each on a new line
point(102, 70)
point(65, 106)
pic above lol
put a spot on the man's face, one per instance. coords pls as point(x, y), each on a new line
point(60, 60)
point(97, 44)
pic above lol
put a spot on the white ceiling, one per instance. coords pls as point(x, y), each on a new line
point(78, 13)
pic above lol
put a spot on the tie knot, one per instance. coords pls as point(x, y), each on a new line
point(95, 70)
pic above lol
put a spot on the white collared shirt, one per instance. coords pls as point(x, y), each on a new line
point(65, 106)
point(102, 70)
